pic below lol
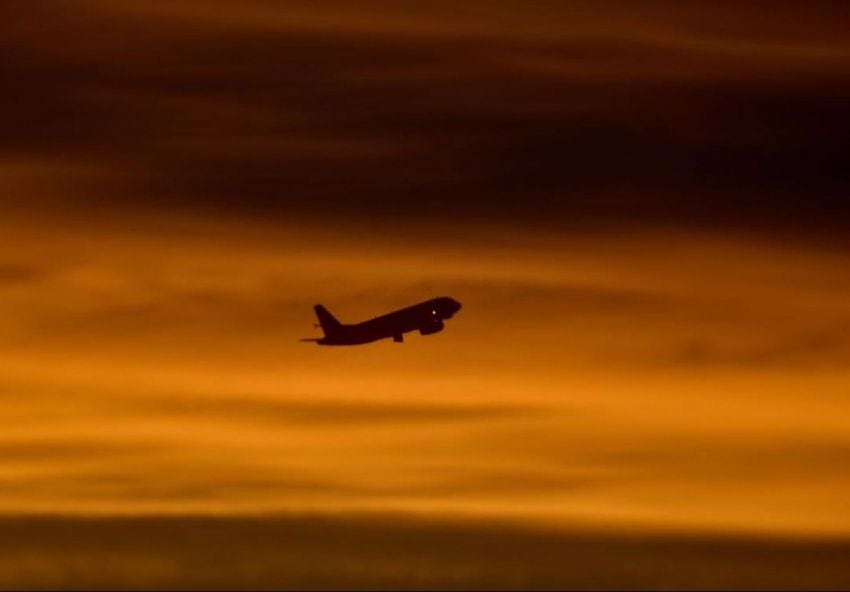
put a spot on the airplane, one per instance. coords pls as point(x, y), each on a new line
point(426, 317)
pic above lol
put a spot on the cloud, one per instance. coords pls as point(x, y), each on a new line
point(12, 274)
point(334, 106)
point(149, 483)
point(786, 351)
point(69, 450)
point(330, 413)
point(495, 482)
point(794, 459)
point(392, 552)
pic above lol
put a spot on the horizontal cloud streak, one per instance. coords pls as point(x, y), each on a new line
point(388, 552)
point(418, 113)
point(14, 274)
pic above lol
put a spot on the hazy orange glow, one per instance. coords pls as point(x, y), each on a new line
point(655, 379)
point(641, 206)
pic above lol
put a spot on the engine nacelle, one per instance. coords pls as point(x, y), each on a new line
point(431, 328)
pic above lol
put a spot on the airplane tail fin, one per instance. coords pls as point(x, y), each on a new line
point(327, 320)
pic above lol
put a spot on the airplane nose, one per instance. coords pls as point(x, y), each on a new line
point(458, 305)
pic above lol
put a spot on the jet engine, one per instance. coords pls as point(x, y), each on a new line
point(432, 327)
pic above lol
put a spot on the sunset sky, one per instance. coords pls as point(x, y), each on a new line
point(641, 206)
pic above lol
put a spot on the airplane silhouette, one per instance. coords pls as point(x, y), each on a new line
point(426, 317)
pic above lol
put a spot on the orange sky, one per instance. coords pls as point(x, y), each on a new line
point(641, 206)
point(653, 378)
